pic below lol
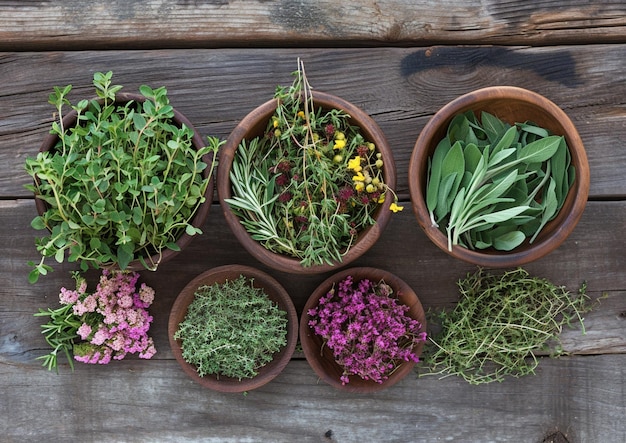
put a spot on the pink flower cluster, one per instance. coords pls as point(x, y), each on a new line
point(115, 320)
point(367, 329)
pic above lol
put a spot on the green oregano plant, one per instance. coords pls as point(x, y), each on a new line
point(500, 324)
point(491, 184)
point(123, 183)
point(231, 329)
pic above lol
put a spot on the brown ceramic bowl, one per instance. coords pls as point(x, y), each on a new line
point(275, 292)
point(321, 358)
point(513, 105)
point(203, 209)
point(253, 125)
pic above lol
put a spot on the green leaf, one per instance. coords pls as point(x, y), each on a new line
point(550, 207)
point(38, 223)
point(442, 208)
point(540, 150)
point(454, 164)
point(509, 241)
point(504, 143)
point(59, 255)
point(504, 215)
point(534, 129)
point(191, 230)
point(472, 157)
point(434, 178)
point(493, 126)
point(125, 254)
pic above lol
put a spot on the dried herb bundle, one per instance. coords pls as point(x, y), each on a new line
point(500, 323)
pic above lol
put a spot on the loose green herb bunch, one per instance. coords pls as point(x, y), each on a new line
point(500, 323)
point(311, 184)
point(231, 329)
point(495, 185)
point(123, 183)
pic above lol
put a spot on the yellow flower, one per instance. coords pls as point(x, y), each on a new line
point(339, 144)
point(370, 188)
point(301, 114)
point(395, 208)
point(275, 123)
point(381, 199)
point(358, 177)
point(359, 186)
point(355, 164)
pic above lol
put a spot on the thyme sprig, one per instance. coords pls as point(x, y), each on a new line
point(311, 184)
point(499, 325)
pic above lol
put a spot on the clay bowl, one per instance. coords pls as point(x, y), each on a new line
point(513, 105)
point(274, 291)
point(202, 211)
point(320, 357)
point(254, 125)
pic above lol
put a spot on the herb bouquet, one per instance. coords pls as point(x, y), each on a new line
point(121, 181)
point(97, 327)
point(306, 180)
point(363, 330)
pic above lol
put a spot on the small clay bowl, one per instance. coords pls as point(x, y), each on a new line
point(513, 105)
point(275, 292)
point(321, 358)
point(253, 125)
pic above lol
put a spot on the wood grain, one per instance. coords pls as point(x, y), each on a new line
point(155, 402)
point(90, 24)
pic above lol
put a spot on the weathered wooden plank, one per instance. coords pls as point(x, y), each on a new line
point(400, 88)
point(90, 24)
point(591, 254)
point(136, 401)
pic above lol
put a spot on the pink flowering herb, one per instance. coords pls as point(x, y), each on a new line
point(107, 324)
point(367, 329)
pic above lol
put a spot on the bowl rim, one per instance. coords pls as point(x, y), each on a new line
point(284, 263)
point(275, 291)
point(566, 219)
point(311, 342)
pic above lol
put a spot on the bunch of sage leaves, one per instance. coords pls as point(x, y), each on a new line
point(122, 184)
point(492, 184)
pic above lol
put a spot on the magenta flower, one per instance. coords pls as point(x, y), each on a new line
point(367, 329)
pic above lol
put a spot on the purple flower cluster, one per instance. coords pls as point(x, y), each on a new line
point(115, 320)
point(367, 329)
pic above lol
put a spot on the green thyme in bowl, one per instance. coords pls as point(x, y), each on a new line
point(232, 329)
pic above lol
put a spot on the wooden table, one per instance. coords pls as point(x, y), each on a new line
point(400, 61)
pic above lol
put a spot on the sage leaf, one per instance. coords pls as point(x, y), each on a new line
point(504, 215)
point(434, 179)
point(540, 150)
point(550, 207)
point(509, 241)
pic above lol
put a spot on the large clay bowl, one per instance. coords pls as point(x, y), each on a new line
point(513, 105)
point(202, 211)
point(253, 125)
point(321, 358)
point(275, 292)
